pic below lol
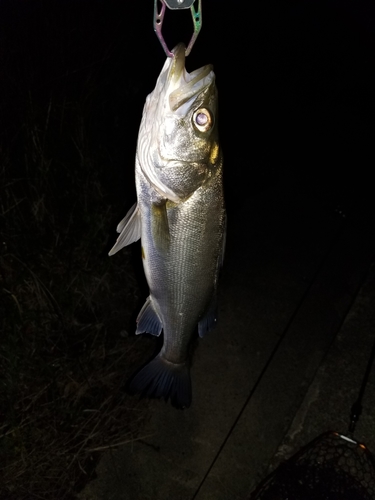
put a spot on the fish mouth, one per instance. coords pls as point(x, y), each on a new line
point(184, 86)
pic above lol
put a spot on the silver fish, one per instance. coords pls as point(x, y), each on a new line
point(180, 218)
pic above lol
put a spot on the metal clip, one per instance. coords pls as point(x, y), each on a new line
point(179, 4)
point(174, 5)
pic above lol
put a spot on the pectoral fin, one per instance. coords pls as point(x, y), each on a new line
point(130, 229)
point(160, 226)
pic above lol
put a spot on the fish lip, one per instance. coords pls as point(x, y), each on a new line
point(178, 62)
point(185, 86)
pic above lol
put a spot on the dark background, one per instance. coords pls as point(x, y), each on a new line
point(296, 83)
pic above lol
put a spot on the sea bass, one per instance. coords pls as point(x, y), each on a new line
point(180, 218)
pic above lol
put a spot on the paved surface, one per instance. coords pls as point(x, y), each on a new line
point(328, 401)
point(283, 365)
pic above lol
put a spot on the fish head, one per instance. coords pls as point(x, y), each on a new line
point(178, 145)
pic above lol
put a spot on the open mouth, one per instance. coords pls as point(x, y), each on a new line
point(185, 86)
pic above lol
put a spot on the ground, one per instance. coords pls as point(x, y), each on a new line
point(284, 365)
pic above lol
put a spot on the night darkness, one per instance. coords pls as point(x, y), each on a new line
point(296, 84)
point(295, 81)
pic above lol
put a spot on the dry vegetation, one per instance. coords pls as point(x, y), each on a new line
point(66, 308)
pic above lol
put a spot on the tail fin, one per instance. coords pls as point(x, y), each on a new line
point(161, 378)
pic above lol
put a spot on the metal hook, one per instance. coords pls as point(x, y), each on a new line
point(174, 5)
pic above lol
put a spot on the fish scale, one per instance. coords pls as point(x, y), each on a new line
point(180, 218)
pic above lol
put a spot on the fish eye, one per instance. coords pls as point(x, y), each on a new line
point(202, 120)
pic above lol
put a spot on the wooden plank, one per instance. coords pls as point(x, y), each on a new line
point(274, 401)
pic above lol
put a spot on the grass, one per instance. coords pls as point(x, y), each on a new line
point(66, 308)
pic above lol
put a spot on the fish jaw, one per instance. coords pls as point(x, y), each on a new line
point(175, 154)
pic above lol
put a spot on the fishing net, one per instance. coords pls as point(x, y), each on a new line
point(332, 467)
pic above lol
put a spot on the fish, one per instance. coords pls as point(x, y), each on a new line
point(180, 218)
